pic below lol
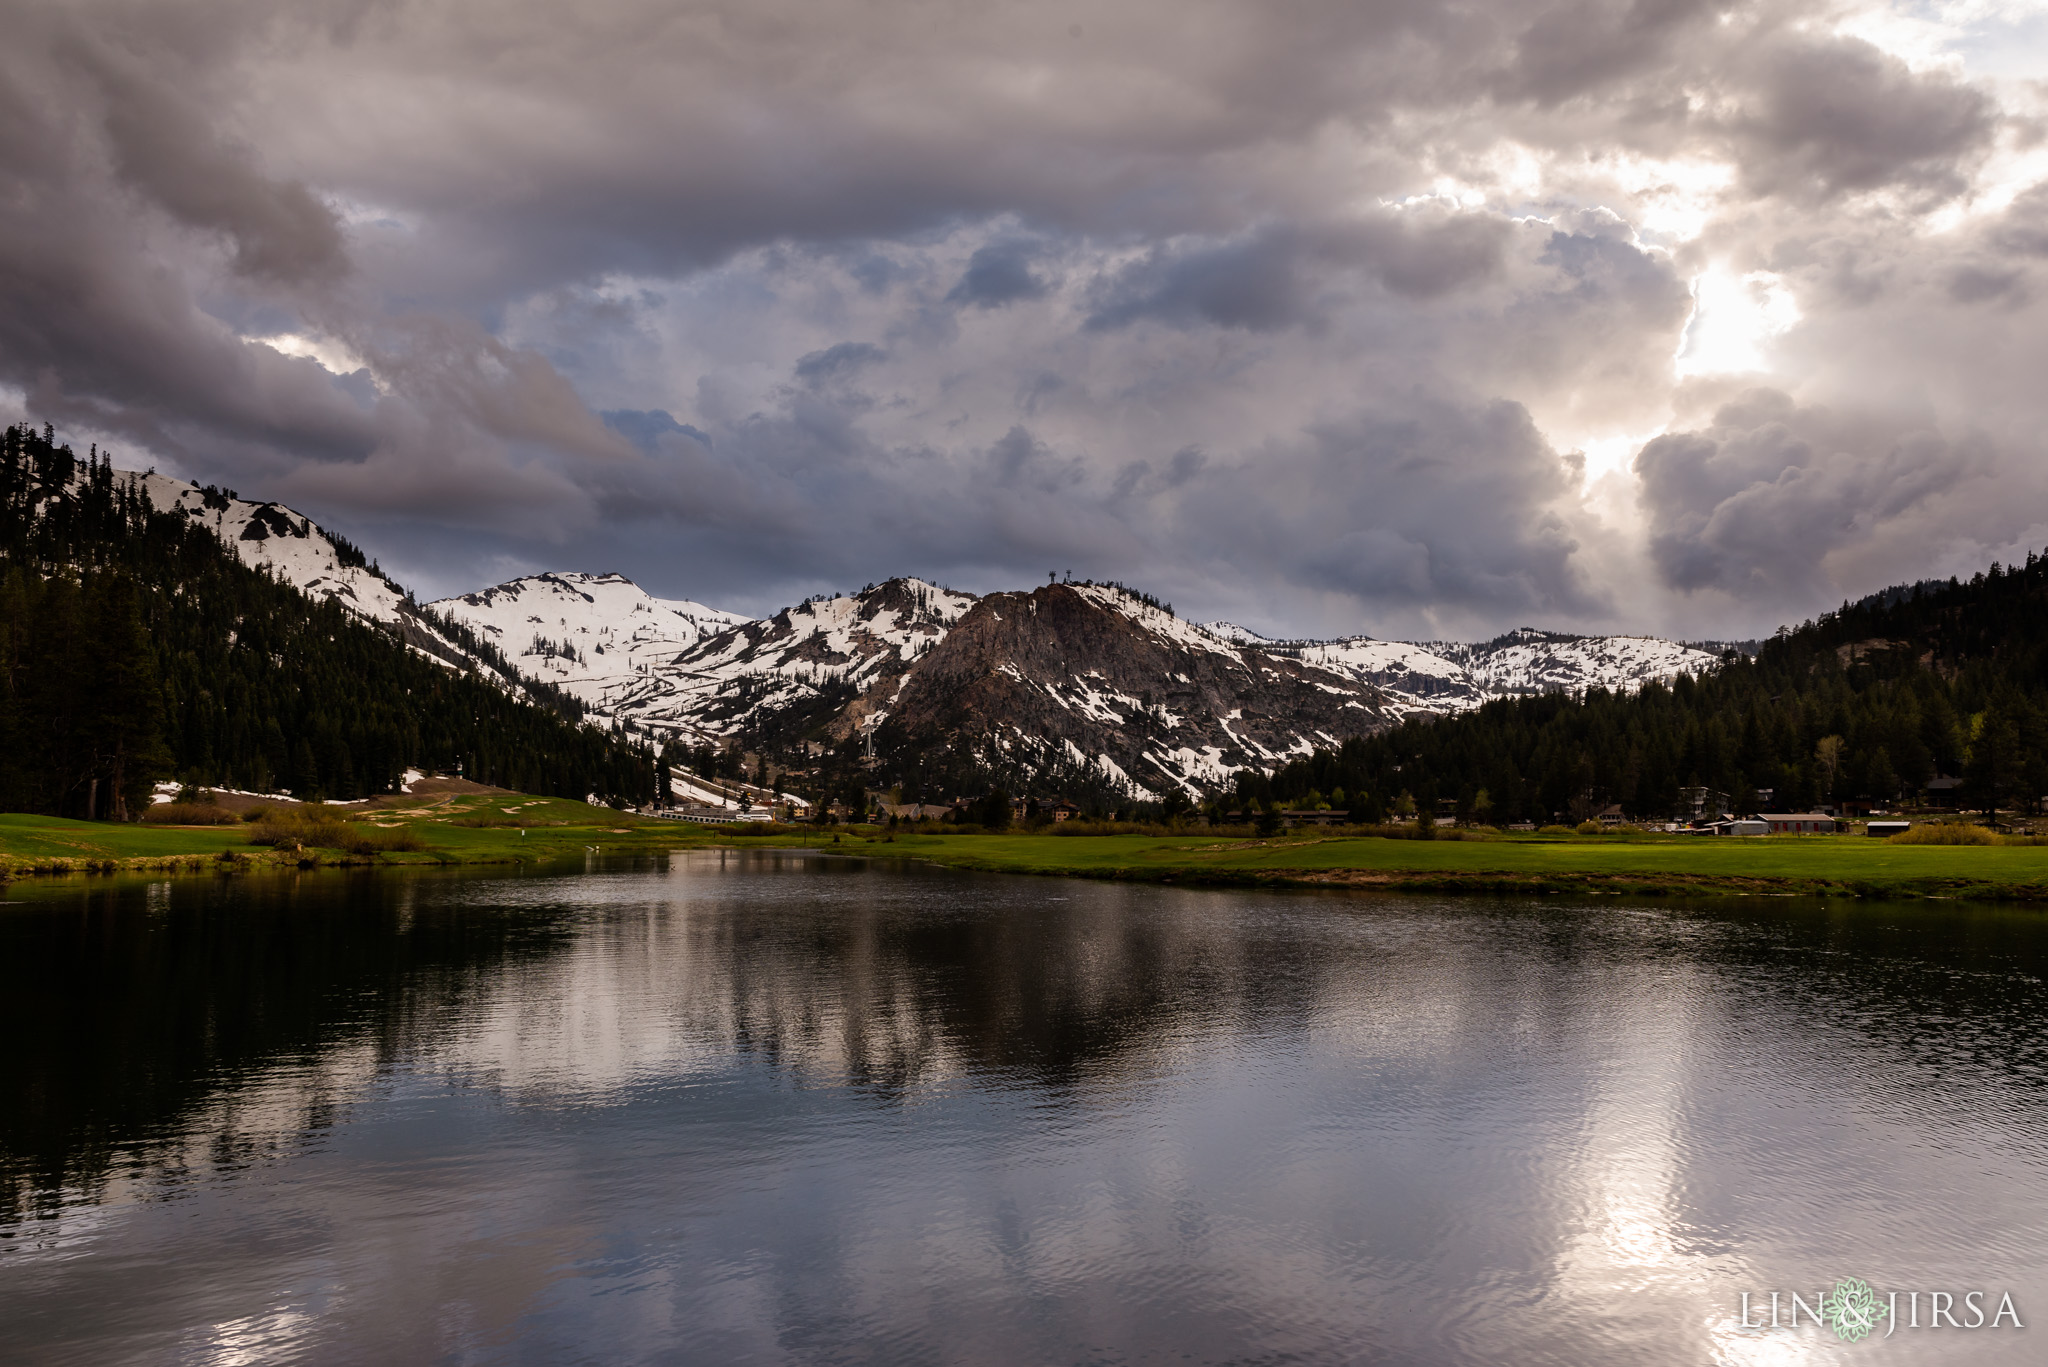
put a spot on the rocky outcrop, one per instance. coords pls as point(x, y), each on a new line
point(1094, 676)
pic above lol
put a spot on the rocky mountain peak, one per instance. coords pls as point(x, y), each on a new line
point(1092, 677)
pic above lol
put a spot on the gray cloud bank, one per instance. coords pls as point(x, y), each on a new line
point(1295, 313)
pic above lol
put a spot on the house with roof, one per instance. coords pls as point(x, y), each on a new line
point(1797, 823)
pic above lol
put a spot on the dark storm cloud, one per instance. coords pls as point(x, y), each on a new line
point(161, 145)
point(1756, 503)
point(998, 274)
point(1268, 279)
point(841, 360)
point(1412, 503)
point(1278, 304)
point(1254, 284)
point(1831, 117)
point(646, 428)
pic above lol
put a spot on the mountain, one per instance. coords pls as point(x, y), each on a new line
point(1438, 677)
point(822, 666)
point(1095, 682)
point(321, 564)
point(136, 644)
point(1075, 684)
point(597, 637)
point(1123, 705)
point(824, 670)
point(1873, 704)
point(1092, 682)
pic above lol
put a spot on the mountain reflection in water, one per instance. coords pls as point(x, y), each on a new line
point(775, 1107)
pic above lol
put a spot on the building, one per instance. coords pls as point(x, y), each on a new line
point(712, 816)
point(1797, 823)
point(1882, 828)
point(1941, 790)
point(1318, 816)
point(1748, 825)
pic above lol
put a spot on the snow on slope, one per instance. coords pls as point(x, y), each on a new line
point(1095, 677)
point(819, 654)
point(597, 637)
point(698, 672)
point(296, 550)
point(1531, 661)
point(1414, 678)
point(292, 547)
point(701, 672)
point(1455, 676)
point(1158, 621)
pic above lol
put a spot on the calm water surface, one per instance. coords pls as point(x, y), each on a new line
point(778, 1108)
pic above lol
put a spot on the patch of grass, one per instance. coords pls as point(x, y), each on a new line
point(1850, 865)
point(464, 831)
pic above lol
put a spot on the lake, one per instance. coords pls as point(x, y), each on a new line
point(776, 1107)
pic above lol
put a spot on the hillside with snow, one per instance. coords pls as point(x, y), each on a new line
point(1073, 675)
point(1099, 685)
point(700, 674)
point(291, 546)
point(1456, 676)
point(829, 665)
point(598, 637)
point(297, 550)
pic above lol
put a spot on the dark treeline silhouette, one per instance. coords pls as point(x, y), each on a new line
point(135, 647)
point(1874, 702)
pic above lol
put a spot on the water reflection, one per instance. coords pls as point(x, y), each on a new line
point(780, 1107)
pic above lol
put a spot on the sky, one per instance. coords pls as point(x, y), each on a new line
point(1390, 317)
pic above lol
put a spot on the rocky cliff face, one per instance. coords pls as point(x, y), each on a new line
point(1087, 677)
point(827, 667)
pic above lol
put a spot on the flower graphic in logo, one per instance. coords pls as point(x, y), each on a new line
point(1852, 1309)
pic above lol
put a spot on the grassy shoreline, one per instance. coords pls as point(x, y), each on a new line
point(507, 828)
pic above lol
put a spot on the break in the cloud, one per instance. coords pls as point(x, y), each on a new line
point(1398, 317)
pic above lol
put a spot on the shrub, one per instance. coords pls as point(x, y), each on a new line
point(189, 814)
point(292, 826)
point(1555, 830)
point(1589, 828)
point(1956, 833)
point(374, 840)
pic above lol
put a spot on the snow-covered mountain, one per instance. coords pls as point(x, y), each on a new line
point(831, 664)
point(597, 637)
point(698, 673)
point(1457, 676)
point(297, 550)
point(290, 545)
point(1070, 675)
point(1094, 680)
point(1532, 661)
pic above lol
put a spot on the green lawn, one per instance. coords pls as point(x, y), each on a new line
point(553, 828)
point(1678, 863)
point(503, 828)
point(53, 837)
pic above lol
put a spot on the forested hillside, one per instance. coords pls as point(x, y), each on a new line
point(1873, 701)
point(134, 647)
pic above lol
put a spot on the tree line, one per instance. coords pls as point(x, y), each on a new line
point(1876, 701)
point(135, 647)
